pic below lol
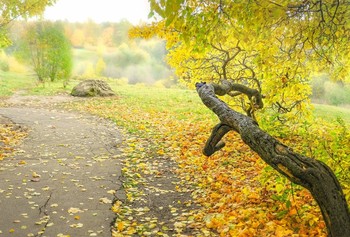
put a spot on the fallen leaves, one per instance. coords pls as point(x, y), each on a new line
point(10, 135)
point(105, 200)
point(74, 210)
point(77, 225)
point(234, 200)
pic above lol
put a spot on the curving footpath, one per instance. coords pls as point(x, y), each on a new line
point(63, 178)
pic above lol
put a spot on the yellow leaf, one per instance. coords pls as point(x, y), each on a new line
point(120, 226)
point(116, 208)
point(161, 152)
point(74, 210)
point(105, 200)
point(36, 175)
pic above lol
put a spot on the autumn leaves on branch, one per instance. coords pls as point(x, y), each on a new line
point(314, 175)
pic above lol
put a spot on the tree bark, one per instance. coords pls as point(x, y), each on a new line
point(312, 174)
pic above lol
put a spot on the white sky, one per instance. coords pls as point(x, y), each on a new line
point(99, 10)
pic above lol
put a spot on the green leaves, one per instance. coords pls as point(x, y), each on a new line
point(48, 51)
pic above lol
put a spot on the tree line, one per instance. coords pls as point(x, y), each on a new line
point(88, 50)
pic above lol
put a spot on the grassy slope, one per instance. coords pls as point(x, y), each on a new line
point(11, 82)
point(331, 113)
point(178, 122)
point(177, 100)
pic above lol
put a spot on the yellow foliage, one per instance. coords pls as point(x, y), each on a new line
point(12, 9)
point(100, 66)
point(265, 45)
point(234, 201)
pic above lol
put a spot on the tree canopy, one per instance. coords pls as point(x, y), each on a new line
point(11, 10)
point(271, 46)
point(48, 51)
point(261, 52)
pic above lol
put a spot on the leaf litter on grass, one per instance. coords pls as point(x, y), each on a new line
point(222, 195)
point(153, 206)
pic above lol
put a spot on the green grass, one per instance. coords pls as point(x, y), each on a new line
point(11, 82)
point(52, 88)
point(331, 113)
point(182, 103)
point(84, 54)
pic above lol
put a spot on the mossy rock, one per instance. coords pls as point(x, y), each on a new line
point(91, 88)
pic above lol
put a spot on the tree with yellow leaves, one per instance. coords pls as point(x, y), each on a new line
point(261, 54)
point(11, 10)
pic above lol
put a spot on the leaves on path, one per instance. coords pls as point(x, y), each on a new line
point(58, 187)
point(236, 192)
point(10, 135)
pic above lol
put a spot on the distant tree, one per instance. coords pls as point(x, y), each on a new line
point(47, 49)
point(92, 33)
point(11, 10)
point(77, 38)
point(107, 36)
point(100, 66)
point(89, 70)
point(120, 34)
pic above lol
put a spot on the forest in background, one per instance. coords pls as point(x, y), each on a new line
point(101, 50)
point(286, 210)
point(105, 51)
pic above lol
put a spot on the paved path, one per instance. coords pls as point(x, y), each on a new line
point(64, 178)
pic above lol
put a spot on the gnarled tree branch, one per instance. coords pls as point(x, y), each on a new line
point(314, 175)
point(214, 143)
point(227, 86)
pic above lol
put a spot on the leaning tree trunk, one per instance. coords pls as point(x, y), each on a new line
point(314, 175)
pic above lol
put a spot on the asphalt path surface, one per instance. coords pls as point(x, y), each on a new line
point(64, 176)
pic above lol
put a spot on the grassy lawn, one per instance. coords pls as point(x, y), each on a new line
point(331, 113)
point(11, 82)
point(179, 101)
point(178, 124)
point(174, 123)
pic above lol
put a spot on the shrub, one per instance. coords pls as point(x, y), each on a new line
point(48, 51)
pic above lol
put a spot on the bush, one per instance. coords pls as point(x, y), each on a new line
point(48, 51)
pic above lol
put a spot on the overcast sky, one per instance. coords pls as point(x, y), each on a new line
point(99, 10)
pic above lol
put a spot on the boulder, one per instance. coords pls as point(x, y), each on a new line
point(90, 88)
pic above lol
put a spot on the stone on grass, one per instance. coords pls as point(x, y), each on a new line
point(90, 88)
